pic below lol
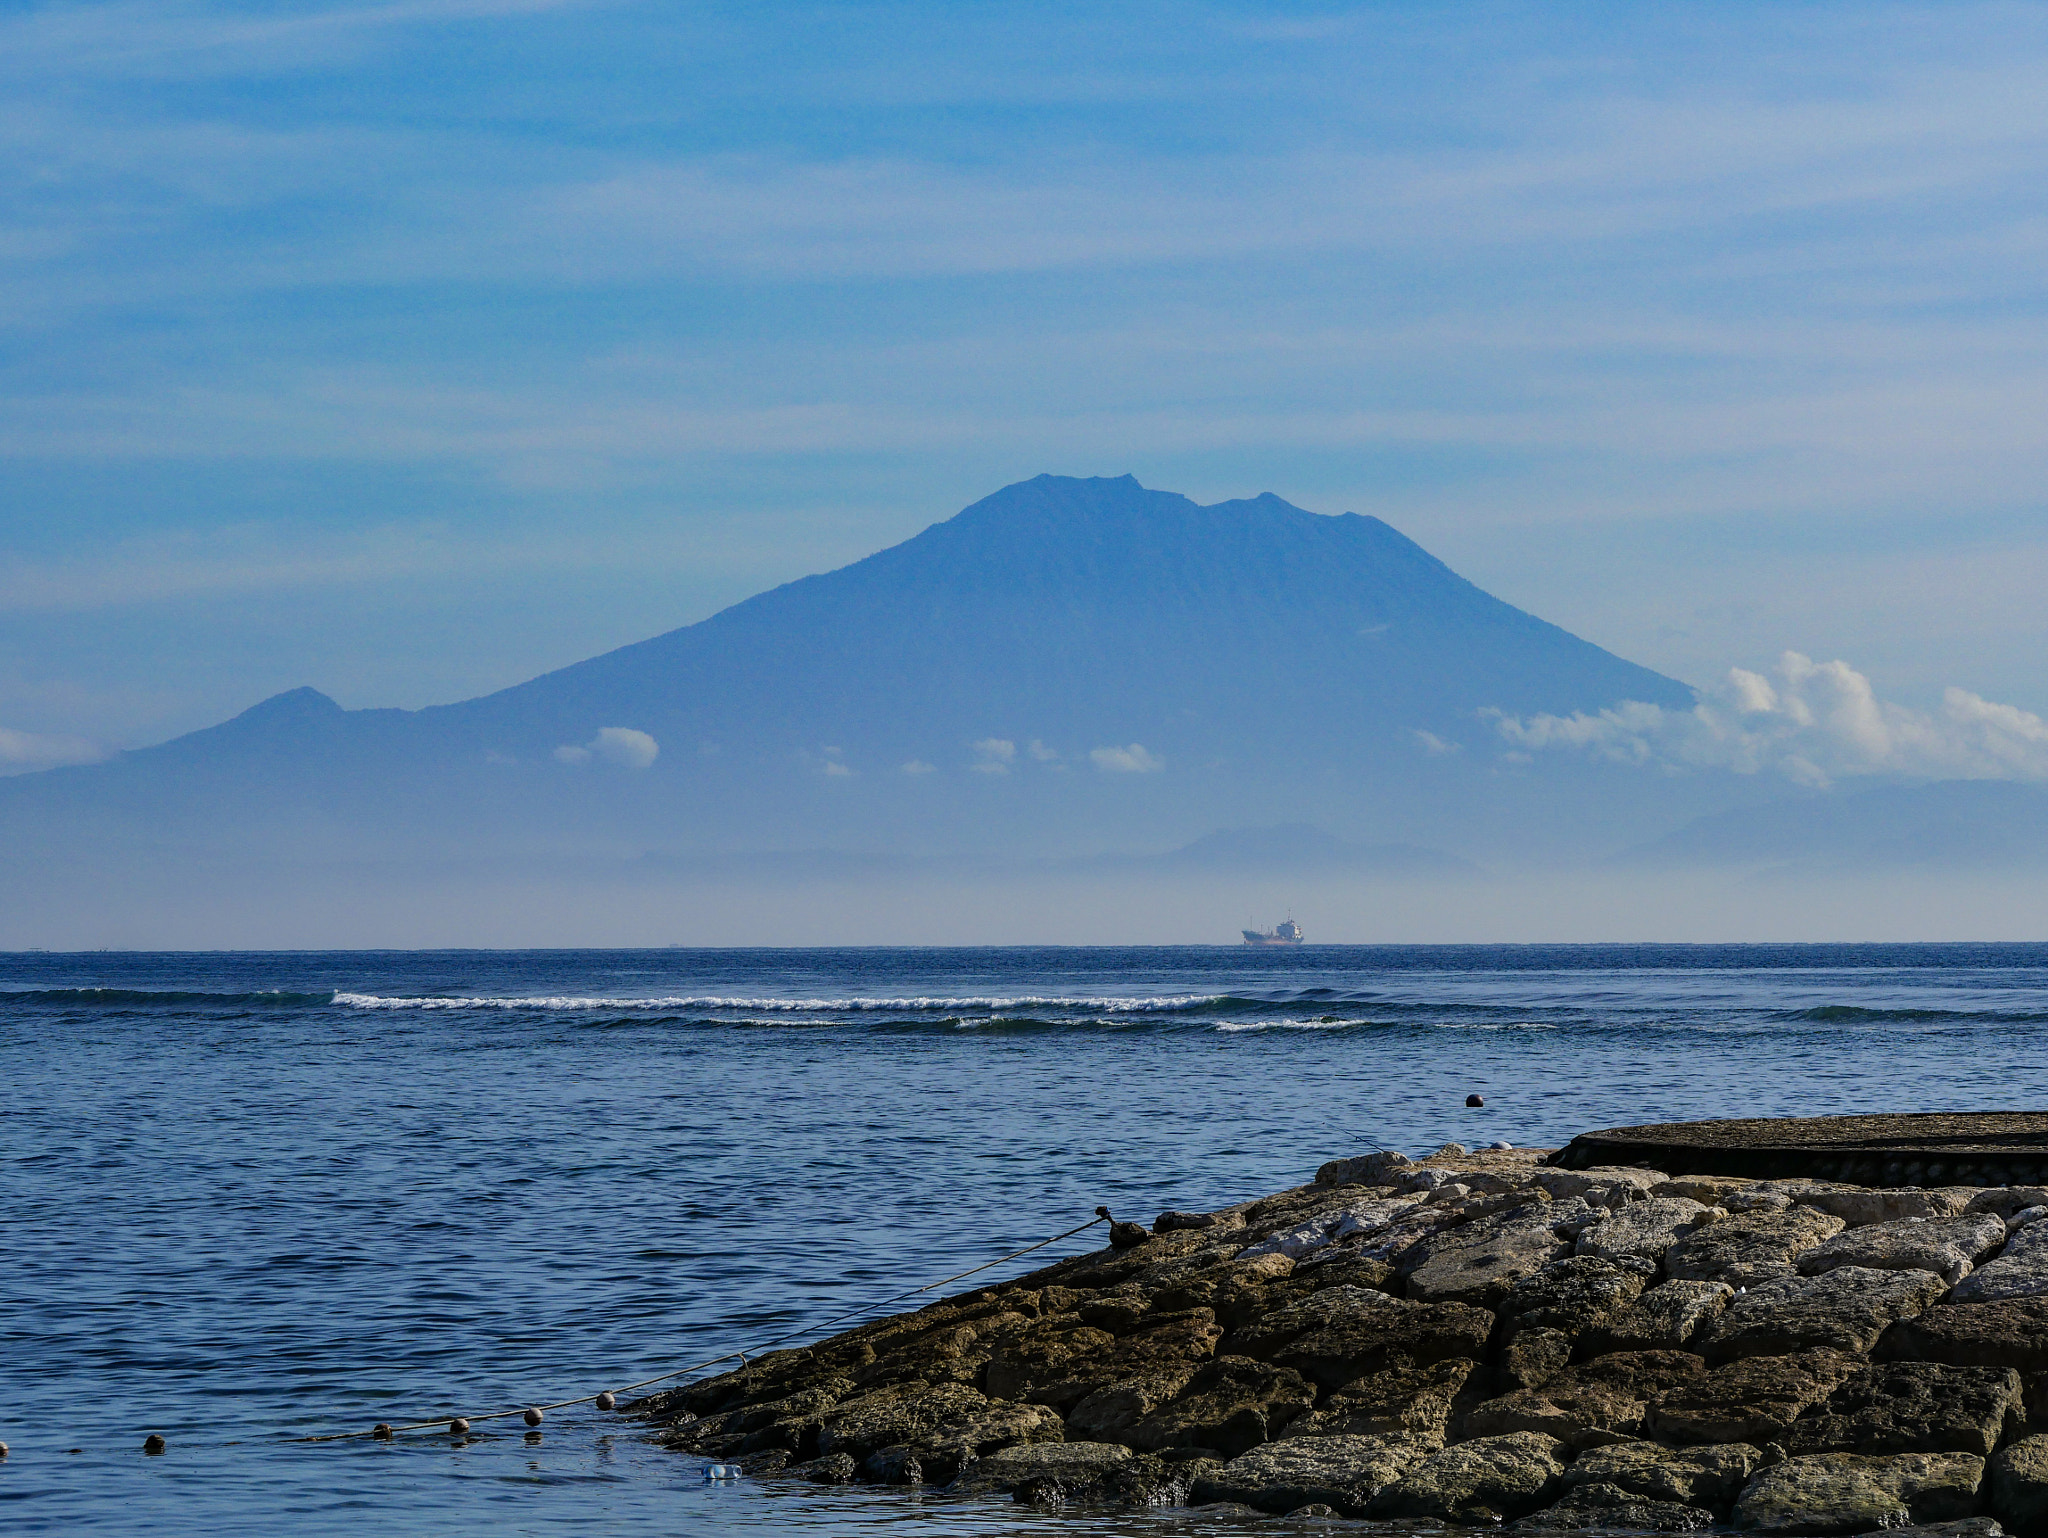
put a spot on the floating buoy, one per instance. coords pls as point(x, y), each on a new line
point(1475, 1101)
point(381, 1431)
point(607, 1400)
point(533, 1417)
point(152, 1444)
point(458, 1427)
point(714, 1471)
point(3, 1449)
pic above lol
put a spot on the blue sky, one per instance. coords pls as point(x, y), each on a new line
point(409, 349)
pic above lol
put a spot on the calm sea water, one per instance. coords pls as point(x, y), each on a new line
point(256, 1196)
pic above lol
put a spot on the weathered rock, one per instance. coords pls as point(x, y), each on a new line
point(1365, 1170)
point(1967, 1527)
point(1486, 1479)
point(2019, 1486)
point(1710, 1476)
point(1608, 1509)
point(1231, 1405)
point(1415, 1402)
point(1850, 1493)
point(1342, 1333)
point(939, 1427)
point(1363, 1218)
point(1002, 1471)
point(1533, 1358)
point(1063, 1367)
point(1846, 1309)
point(1572, 1294)
point(1860, 1205)
point(2020, 1271)
point(1949, 1248)
point(1754, 1400)
point(1173, 1220)
point(1598, 1402)
point(2005, 1201)
point(1708, 1190)
point(1226, 1286)
point(1477, 1262)
point(1580, 1415)
point(2010, 1333)
point(1645, 1228)
point(1344, 1472)
point(1665, 1318)
point(1747, 1249)
point(1912, 1407)
point(1604, 1185)
point(834, 1469)
point(893, 1466)
point(1112, 1412)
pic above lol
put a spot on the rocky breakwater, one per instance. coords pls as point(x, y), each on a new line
point(1472, 1339)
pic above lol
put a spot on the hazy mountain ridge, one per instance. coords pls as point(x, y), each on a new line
point(1066, 667)
point(1944, 825)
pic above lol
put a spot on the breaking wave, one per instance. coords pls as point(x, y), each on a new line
point(670, 1004)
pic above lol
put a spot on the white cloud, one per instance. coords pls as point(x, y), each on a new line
point(994, 755)
point(619, 745)
point(919, 766)
point(25, 752)
point(834, 769)
point(1433, 744)
point(1814, 722)
point(1131, 760)
point(1042, 753)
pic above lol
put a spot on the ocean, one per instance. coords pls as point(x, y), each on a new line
point(253, 1197)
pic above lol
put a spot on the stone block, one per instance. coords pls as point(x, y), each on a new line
point(1488, 1479)
point(1841, 1493)
point(1913, 1407)
point(1645, 1228)
point(1748, 1249)
point(1343, 1472)
point(1664, 1318)
point(1947, 1247)
point(1847, 1309)
point(1753, 1400)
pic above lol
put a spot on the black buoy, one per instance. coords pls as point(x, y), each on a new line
point(458, 1427)
point(532, 1417)
point(152, 1444)
point(607, 1400)
point(1475, 1101)
point(381, 1431)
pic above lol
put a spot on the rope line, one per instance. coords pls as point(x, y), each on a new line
point(1101, 1216)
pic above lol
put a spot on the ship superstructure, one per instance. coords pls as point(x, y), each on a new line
point(1286, 932)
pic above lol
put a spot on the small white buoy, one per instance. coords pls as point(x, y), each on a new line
point(607, 1400)
point(3, 1449)
point(716, 1471)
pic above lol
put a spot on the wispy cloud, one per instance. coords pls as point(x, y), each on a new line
point(623, 747)
point(23, 752)
point(1814, 722)
point(994, 755)
point(1130, 760)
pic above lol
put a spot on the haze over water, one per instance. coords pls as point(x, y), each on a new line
point(257, 1196)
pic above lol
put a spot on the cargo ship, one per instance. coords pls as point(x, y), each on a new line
point(1285, 933)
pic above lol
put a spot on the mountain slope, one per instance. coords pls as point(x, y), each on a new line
point(1949, 824)
point(1066, 666)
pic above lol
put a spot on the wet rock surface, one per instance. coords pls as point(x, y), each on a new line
point(1471, 1339)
